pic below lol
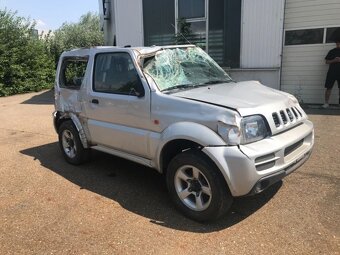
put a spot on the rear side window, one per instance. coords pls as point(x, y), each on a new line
point(115, 73)
point(72, 72)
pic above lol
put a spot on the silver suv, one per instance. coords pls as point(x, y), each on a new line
point(176, 110)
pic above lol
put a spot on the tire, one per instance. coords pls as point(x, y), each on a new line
point(197, 187)
point(70, 144)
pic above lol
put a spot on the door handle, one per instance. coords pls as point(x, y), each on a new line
point(95, 101)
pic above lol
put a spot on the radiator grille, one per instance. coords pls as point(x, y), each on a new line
point(290, 115)
point(286, 116)
point(276, 119)
point(283, 117)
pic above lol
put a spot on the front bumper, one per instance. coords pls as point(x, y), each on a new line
point(249, 169)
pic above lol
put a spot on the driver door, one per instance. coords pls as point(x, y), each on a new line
point(118, 108)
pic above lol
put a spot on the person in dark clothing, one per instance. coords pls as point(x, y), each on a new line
point(333, 74)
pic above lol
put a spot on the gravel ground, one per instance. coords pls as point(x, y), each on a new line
point(112, 206)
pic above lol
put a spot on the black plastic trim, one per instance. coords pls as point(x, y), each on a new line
point(266, 182)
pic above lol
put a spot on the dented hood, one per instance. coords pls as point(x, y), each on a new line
point(249, 97)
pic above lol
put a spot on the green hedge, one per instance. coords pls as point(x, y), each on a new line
point(25, 63)
point(28, 61)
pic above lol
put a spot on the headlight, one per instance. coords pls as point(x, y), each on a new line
point(253, 128)
point(230, 133)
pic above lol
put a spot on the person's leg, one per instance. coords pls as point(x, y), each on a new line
point(339, 90)
point(327, 95)
point(328, 85)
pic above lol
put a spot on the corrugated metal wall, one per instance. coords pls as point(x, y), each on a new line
point(311, 13)
point(303, 66)
point(304, 72)
point(261, 39)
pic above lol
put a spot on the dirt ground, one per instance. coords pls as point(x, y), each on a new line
point(112, 206)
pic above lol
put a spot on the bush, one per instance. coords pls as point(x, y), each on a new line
point(25, 62)
point(84, 34)
point(28, 61)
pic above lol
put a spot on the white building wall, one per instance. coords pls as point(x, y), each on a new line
point(303, 66)
point(304, 72)
point(129, 22)
point(311, 13)
point(261, 33)
point(268, 77)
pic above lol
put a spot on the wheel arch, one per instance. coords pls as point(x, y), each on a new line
point(173, 148)
point(183, 136)
point(60, 117)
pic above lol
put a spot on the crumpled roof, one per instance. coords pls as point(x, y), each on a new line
point(153, 49)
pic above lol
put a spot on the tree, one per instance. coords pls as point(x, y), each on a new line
point(28, 61)
point(85, 33)
point(25, 62)
point(184, 34)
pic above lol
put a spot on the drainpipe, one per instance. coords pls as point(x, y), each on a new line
point(107, 21)
point(282, 44)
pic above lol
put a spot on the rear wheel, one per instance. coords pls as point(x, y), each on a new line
point(197, 187)
point(70, 144)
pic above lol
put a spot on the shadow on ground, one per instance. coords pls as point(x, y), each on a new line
point(46, 97)
point(139, 189)
point(318, 110)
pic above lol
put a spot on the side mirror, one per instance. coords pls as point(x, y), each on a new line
point(140, 95)
point(138, 90)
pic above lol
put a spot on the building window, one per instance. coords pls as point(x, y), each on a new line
point(159, 22)
point(213, 25)
point(332, 33)
point(312, 36)
point(225, 32)
point(191, 9)
point(304, 36)
point(191, 21)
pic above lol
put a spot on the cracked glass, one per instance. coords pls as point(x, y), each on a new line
point(183, 68)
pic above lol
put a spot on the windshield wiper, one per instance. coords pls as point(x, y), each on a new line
point(181, 86)
point(217, 82)
point(191, 86)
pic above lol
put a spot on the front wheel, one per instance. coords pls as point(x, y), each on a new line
point(197, 187)
point(70, 144)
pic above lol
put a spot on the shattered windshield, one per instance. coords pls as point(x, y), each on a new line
point(183, 68)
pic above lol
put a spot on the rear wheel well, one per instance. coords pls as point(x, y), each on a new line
point(173, 148)
point(60, 119)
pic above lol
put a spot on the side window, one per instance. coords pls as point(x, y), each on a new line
point(72, 72)
point(115, 73)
